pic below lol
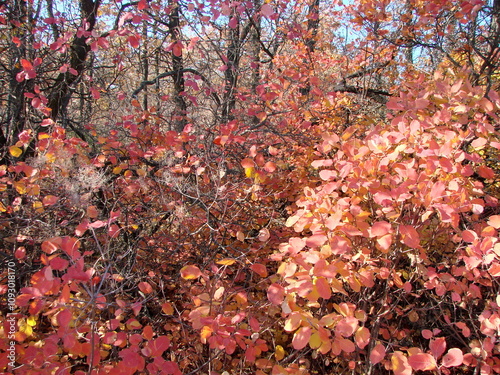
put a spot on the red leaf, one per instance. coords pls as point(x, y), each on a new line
point(301, 337)
point(145, 287)
point(26, 64)
point(486, 172)
point(177, 49)
point(134, 41)
point(233, 23)
point(64, 318)
point(453, 358)
point(143, 4)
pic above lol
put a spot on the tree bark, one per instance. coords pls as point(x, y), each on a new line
point(180, 109)
point(60, 94)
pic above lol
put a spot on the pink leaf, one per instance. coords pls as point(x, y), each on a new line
point(233, 23)
point(494, 221)
point(323, 288)
point(438, 346)
point(276, 294)
point(362, 337)
point(453, 358)
point(267, 10)
point(316, 240)
point(301, 337)
point(422, 361)
point(380, 228)
point(347, 326)
point(264, 235)
point(377, 354)
point(410, 236)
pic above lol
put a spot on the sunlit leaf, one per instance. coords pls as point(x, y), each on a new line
point(190, 272)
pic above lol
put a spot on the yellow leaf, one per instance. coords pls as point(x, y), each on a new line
point(279, 353)
point(315, 341)
point(31, 321)
point(38, 206)
point(250, 172)
point(15, 151)
point(25, 328)
point(20, 187)
point(226, 261)
point(2, 207)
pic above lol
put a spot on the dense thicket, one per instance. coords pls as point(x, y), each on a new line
point(269, 187)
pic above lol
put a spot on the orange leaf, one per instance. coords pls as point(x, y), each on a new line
point(52, 245)
point(362, 337)
point(226, 261)
point(167, 308)
point(494, 221)
point(148, 332)
point(49, 200)
point(494, 270)
point(259, 269)
point(247, 163)
point(400, 364)
point(190, 272)
point(206, 332)
point(15, 151)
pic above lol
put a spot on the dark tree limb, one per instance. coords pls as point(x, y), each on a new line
point(173, 73)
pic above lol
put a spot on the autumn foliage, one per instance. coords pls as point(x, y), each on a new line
point(266, 193)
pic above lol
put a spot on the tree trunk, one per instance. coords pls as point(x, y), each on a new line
point(180, 109)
